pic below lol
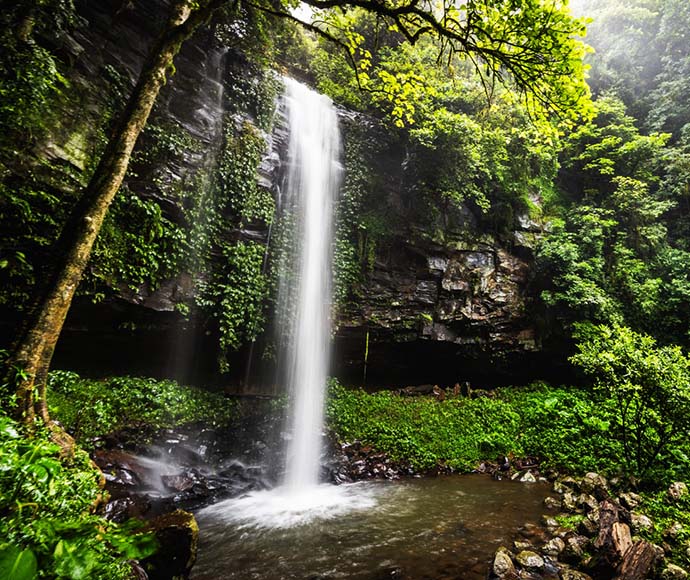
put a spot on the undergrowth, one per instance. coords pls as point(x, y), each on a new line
point(89, 408)
point(47, 525)
point(564, 427)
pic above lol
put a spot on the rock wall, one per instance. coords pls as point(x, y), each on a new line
point(443, 300)
point(438, 299)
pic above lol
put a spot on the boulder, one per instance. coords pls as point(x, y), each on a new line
point(677, 490)
point(529, 560)
point(177, 534)
point(503, 566)
point(673, 572)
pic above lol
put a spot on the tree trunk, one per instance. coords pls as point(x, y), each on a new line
point(30, 360)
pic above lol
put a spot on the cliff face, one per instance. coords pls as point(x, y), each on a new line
point(436, 298)
point(442, 298)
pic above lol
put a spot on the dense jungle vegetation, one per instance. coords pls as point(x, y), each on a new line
point(607, 179)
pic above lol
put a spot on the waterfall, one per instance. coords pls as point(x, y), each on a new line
point(312, 183)
point(305, 206)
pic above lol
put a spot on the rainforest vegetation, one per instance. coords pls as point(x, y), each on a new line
point(514, 127)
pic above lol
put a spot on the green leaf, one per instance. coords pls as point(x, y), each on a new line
point(16, 564)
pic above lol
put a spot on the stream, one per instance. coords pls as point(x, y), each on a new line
point(427, 528)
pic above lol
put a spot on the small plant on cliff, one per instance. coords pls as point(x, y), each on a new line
point(650, 386)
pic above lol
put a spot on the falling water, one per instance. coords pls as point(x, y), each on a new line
point(304, 302)
point(312, 183)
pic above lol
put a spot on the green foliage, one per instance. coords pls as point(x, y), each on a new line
point(457, 433)
point(666, 513)
point(608, 146)
point(567, 427)
point(32, 215)
point(570, 429)
point(136, 245)
point(46, 524)
point(650, 388)
point(30, 77)
point(88, 408)
point(236, 296)
point(237, 180)
point(508, 47)
point(610, 258)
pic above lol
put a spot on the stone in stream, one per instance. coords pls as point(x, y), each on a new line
point(177, 534)
point(529, 560)
point(503, 566)
point(569, 574)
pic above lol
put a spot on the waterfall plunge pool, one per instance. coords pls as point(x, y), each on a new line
point(428, 528)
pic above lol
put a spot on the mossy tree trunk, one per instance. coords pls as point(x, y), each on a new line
point(33, 350)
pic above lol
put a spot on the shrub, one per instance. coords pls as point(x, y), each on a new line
point(47, 529)
point(649, 386)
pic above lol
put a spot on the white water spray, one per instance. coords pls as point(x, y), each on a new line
point(312, 184)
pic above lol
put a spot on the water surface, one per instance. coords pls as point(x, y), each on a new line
point(429, 528)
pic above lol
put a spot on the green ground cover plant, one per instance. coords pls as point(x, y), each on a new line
point(88, 408)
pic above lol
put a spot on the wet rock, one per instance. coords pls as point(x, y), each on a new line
point(673, 572)
point(677, 490)
point(569, 574)
point(120, 468)
point(552, 503)
point(553, 547)
point(180, 482)
point(640, 522)
point(177, 534)
point(595, 484)
point(503, 566)
point(630, 500)
point(520, 545)
point(121, 509)
point(529, 560)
